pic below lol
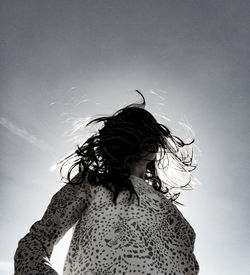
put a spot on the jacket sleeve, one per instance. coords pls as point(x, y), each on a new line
point(34, 250)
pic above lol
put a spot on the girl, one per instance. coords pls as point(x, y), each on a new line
point(123, 220)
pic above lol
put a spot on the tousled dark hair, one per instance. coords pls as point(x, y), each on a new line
point(106, 157)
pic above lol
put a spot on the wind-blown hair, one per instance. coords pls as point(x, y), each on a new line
point(106, 157)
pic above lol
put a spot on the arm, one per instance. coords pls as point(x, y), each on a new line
point(35, 248)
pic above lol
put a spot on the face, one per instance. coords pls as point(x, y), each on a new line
point(147, 156)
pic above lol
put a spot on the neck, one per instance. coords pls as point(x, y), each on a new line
point(138, 171)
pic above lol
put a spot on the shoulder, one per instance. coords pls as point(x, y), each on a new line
point(76, 187)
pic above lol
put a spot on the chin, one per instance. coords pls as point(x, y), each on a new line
point(150, 156)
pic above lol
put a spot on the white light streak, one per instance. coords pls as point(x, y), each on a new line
point(162, 116)
point(153, 91)
point(7, 266)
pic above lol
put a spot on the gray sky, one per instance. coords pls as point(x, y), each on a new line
point(66, 59)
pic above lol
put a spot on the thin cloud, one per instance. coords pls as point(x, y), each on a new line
point(72, 88)
point(23, 133)
point(82, 101)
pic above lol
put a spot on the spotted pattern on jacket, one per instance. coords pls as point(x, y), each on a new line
point(150, 238)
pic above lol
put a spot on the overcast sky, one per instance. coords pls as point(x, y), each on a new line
point(62, 60)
